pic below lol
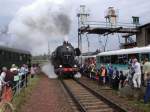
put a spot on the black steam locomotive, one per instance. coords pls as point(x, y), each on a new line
point(63, 59)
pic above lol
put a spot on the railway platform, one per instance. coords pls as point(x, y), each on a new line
point(47, 96)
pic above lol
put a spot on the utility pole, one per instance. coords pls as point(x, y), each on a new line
point(49, 51)
point(88, 42)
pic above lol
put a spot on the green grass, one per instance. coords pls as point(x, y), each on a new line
point(25, 93)
point(140, 105)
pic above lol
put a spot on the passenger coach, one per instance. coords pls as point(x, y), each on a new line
point(83, 59)
point(122, 58)
point(9, 56)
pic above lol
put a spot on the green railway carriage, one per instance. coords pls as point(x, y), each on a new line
point(9, 56)
point(122, 58)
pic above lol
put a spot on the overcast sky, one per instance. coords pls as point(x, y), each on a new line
point(97, 9)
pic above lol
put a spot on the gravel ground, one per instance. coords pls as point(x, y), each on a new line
point(48, 96)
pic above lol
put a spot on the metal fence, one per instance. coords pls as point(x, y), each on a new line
point(20, 84)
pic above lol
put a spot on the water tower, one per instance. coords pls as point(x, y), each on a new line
point(82, 15)
point(111, 17)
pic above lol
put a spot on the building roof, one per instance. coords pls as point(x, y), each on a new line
point(145, 25)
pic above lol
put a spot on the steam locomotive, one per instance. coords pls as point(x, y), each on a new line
point(63, 59)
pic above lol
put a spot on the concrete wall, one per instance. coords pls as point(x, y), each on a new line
point(141, 38)
point(148, 36)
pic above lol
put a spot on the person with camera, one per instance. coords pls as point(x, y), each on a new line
point(146, 70)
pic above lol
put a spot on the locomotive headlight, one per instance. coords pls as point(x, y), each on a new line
point(60, 66)
point(75, 66)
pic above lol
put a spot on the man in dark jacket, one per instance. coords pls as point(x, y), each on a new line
point(115, 79)
point(110, 74)
point(9, 78)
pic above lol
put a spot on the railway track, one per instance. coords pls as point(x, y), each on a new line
point(87, 100)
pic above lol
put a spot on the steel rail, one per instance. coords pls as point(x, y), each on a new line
point(80, 107)
point(103, 98)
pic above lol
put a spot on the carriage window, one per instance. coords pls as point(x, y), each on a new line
point(145, 55)
point(10, 55)
point(114, 59)
point(17, 57)
point(132, 56)
point(98, 59)
point(2, 52)
point(122, 59)
point(20, 58)
point(107, 59)
point(102, 59)
point(7, 55)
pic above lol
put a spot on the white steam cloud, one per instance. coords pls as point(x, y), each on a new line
point(48, 69)
point(38, 23)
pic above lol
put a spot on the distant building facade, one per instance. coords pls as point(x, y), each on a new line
point(143, 36)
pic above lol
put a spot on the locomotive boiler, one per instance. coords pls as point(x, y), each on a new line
point(63, 59)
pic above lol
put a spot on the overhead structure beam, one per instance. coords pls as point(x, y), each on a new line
point(127, 35)
point(106, 30)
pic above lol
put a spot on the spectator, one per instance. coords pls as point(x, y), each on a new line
point(129, 78)
point(14, 71)
point(93, 71)
point(2, 79)
point(32, 71)
point(110, 73)
point(146, 70)
point(3, 74)
point(7, 78)
point(99, 74)
point(23, 74)
point(115, 79)
point(37, 69)
point(13, 68)
point(137, 74)
point(26, 74)
point(103, 74)
point(122, 79)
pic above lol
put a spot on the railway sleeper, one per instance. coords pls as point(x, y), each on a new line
point(102, 110)
point(95, 103)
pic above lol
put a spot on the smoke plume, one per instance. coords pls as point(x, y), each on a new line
point(36, 24)
point(48, 69)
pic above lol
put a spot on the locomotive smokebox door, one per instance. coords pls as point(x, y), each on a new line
point(77, 52)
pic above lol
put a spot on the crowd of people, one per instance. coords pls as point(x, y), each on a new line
point(116, 79)
point(16, 76)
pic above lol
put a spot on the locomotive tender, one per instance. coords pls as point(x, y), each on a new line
point(63, 59)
